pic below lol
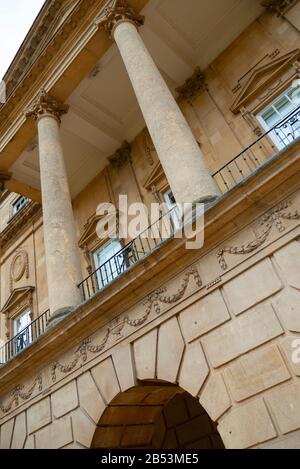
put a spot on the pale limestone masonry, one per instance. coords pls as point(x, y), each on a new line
point(233, 352)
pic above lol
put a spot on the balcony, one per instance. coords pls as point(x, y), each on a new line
point(24, 338)
point(244, 166)
point(268, 146)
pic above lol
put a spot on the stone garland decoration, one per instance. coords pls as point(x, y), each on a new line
point(153, 302)
point(18, 394)
point(268, 221)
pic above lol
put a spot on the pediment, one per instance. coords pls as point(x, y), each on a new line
point(89, 231)
point(261, 76)
point(89, 236)
point(155, 178)
point(17, 298)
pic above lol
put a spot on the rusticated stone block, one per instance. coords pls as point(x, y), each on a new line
point(203, 316)
point(145, 355)
point(246, 426)
point(55, 436)
point(287, 306)
point(20, 432)
point(30, 442)
point(288, 260)
point(83, 428)
point(89, 397)
point(285, 405)
point(6, 434)
point(38, 415)
point(194, 369)
point(214, 397)
point(123, 361)
point(252, 286)
point(291, 441)
point(257, 326)
point(64, 400)
point(106, 379)
point(169, 350)
point(255, 372)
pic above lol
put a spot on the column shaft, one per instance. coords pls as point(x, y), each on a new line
point(178, 151)
point(62, 256)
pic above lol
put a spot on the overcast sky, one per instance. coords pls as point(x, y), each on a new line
point(16, 18)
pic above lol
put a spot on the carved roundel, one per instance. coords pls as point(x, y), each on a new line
point(19, 266)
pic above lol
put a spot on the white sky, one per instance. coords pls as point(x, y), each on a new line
point(16, 18)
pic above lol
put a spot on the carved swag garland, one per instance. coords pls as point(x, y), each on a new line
point(18, 394)
point(153, 302)
point(268, 221)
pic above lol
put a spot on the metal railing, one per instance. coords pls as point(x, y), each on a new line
point(147, 241)
point(24, 338)
point(262, 150)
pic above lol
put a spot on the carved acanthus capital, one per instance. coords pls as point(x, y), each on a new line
point(118, 11)
point(46, 104)
point(121, 156)
point(192, 86)
point(4, 176)
point(277, 6)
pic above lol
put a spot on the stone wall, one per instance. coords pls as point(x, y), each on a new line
point(222, 330)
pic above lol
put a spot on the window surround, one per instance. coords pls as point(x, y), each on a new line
point(20, 300)
point(263, 83)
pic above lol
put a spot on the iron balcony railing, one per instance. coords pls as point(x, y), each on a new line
point(149, 240)
point(24, 338)
point(262, 150)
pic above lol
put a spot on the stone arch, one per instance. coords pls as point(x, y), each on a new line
point(159, 356)
point(156, 415)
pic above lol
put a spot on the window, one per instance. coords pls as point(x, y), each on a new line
point(22, 333)
point(20, 203)
point(283, 106)
point(109, 267)
point(175, 214)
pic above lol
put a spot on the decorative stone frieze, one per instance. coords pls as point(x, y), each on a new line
point(116, 12)
point(275, 218)
point(46, 104)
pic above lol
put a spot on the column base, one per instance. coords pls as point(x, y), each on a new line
point(59, 315)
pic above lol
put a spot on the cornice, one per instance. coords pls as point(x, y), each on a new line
point(36, 40)
point(33, 72)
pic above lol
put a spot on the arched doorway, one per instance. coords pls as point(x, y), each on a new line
point(156, 415)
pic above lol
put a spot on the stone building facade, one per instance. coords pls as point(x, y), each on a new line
point(178, 348)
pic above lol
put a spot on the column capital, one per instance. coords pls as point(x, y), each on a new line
point(121, 156)
point(4, 177)
point(46, 105)
point(118, 11)
point(277, 6)
point(192, 86)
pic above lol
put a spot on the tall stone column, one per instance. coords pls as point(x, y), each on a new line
point(61, 249)
point(178, 151)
